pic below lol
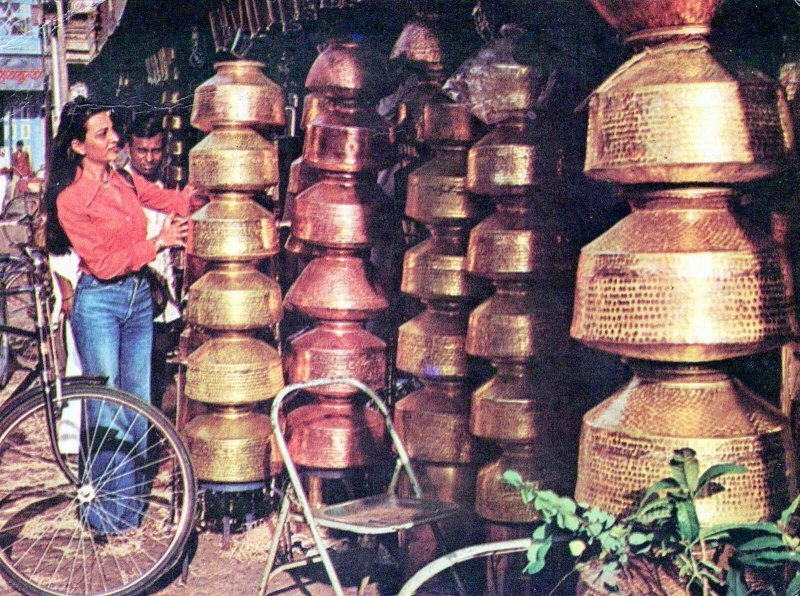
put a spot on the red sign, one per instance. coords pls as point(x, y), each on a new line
point(21, 73)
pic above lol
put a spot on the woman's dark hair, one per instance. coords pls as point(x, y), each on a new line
point(64, 164)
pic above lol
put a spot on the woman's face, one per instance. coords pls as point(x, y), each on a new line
point(100, 144)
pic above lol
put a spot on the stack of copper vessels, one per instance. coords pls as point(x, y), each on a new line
point(174, 140)
point(524, 250)
point(348, 143)
point(234, 370)
point(434, 421)
point(683, 282)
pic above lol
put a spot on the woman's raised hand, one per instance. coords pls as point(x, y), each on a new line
point(174, 230)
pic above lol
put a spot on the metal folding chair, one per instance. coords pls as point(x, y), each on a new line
point(379, 514)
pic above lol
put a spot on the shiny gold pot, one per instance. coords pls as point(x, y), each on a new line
point(675, 114)
point(238, 95)
point(348, 139)
point(431, 345)
point(647, 21)
point(337, 349)
point(671, 406)
point(683, 279)
point(234, 297)
point(233, 228)
point(338, 212)
point(436, 269)
point(229, 445)
point(231, 159)
point(337, 287)
point(314, 105)
point(419, 42)
point(519, 323)
point(434, 425)
point(233, 370)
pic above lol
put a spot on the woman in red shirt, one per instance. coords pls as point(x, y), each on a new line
point(98, 212)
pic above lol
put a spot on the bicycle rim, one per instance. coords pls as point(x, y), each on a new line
point(21, 313)
point(59, 539)
point(5, 347)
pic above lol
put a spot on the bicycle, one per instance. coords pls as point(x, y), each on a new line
point(52, 488)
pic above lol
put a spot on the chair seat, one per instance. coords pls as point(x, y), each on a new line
point(382, 514)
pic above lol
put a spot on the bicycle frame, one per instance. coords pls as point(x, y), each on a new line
point(47, 370)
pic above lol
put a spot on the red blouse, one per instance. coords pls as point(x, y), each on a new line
point(106, 224)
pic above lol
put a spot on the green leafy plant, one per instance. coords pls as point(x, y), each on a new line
point(664, 530)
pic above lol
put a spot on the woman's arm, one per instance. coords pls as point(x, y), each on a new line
point(161, 199)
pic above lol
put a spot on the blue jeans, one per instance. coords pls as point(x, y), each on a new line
point(113, 326)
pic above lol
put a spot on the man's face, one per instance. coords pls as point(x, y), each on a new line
point(146, 154)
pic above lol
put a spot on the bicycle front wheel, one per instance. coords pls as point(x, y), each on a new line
point(5, 344)
point(125, 523)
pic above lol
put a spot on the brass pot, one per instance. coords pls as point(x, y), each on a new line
point(628, 440)
point(238, 95)
point(232, 159)
point(446, 123)
point(683, 279)
point(519, 242)
point(314, 105)
point(231, 445)
point(346, 69)
point(348, 139)
point(653, 119)
point(436, 269)
point(640, 20)
point(337, 287)
point(234, 297)
point(337, 350)
point(519, 323)
point(233, 228)
point(518, 156)
point(434, 425)
point(431, 345)
point(338, 212)
point(233, 370)
point(436, 192)
point(419, 43)
point(335, 435)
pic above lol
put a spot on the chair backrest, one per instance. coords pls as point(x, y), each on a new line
point(288, 392)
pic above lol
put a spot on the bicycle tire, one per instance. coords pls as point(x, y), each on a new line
point(5, 346)
point(20, 312)
point(46, 544)
point(17, 207)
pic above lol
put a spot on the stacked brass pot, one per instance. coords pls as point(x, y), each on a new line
point(347, 143)
point(683, 282)
point(525, 250)
point(434, 421)
point(234, 302)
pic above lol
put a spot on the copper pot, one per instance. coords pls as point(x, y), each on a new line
point(234, 297)
point(233, 228)
point(314, 105)
point(233, 370)
point(348, 139)
point(337, 287)
point(230, 445)
point(234, 159)
point(671, 406)
point(238, 95)
point(653, 119)
point(337, 349)
point(683, 279)
point(338, 212)
point(335, 435)
point(419, 42)
point(346, 69)
point(653, 21)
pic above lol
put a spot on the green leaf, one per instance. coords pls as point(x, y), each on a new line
point(570, 522)
point(541, 532)
point(756, 528)
point(513, 478)
point(736, 583)
point(767, 558)
point(577, 547)
point(769, 541)
point(667, 484)
point(686, 516)
point(639, 538)
point(719, 470)
point(787, 513)
point(534, 567)
point(691, 470)
point(678, 466)
point(793, 589)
